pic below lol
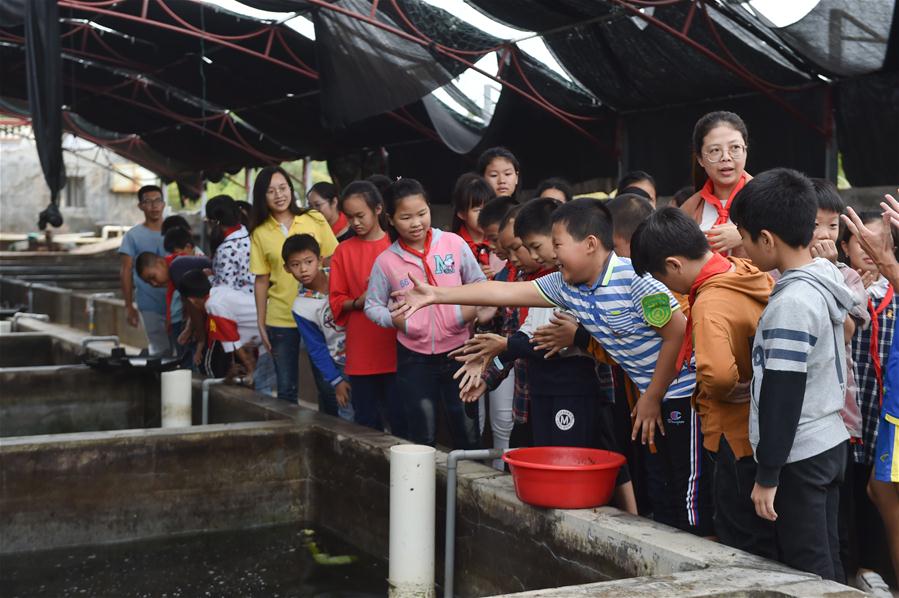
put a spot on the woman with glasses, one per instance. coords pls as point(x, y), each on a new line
point(719, 153)
point(275, 217)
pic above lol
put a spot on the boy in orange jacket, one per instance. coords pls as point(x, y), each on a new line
point(727, 297)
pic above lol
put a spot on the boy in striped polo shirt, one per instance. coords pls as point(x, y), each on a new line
point(635, 319)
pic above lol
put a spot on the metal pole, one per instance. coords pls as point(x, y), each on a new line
point(206, 384)
point(449, 557)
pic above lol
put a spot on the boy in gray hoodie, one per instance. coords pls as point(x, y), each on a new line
point(799, 378)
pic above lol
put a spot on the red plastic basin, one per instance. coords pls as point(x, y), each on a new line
point(564, 477)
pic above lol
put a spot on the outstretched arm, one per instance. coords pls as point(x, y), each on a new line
point(494, 293)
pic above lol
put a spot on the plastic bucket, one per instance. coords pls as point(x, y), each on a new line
point(564, 477)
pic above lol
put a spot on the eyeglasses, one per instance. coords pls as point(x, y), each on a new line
point(275, 191)
point(156, 201)
point(716, 154)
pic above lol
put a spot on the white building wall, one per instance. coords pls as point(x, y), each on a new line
point(23, 192)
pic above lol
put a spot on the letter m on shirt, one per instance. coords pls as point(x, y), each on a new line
point(445, 264)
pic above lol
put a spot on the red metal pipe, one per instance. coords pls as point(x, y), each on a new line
point(76, 5)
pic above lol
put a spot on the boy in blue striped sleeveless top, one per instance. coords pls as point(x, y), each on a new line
point(636, 320)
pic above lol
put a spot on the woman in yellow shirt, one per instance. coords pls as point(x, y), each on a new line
point(276, 216)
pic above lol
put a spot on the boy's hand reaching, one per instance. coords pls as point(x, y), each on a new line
point(409, 301)
point(481, 347)
point(824, 248)
point(470, 374)
point(342, 392)
point(763, 499)
point(556, 336)
point(474, 393)
point(647, 416)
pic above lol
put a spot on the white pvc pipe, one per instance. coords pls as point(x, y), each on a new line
point(176, 399)
point(412, 512)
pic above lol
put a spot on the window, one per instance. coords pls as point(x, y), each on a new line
point(73, 195)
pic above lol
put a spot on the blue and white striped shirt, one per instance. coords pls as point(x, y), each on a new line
point(612, 312)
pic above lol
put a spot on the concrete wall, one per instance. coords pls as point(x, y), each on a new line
point(69, 490)
point(93, 488)
point(23, 192)
point(65, 399)
point(23, 349)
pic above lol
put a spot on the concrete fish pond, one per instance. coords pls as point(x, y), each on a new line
point(127, 504)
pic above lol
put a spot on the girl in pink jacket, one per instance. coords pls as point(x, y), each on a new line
point(424, 371)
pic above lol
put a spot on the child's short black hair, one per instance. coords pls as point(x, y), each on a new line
point(325, 190)
point(556, 183)
point(194, 283)
point(634, 176)
point(829, 198)
point(177, 239)
point(628, 211)
point(144, 261)
point(470, 191)
point(174, 221)
point(491, 154)
point(495, 210)
point(380, 181)
point(781, 201)
point(585, 217)
point(535, 217)
point(510, 216)
point(297, 243)
point(664, 233)
point(223, 210)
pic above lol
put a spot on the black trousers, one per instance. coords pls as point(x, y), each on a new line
point(579, 420)
point(679, 474)
point(736, 523)
point(807, 505)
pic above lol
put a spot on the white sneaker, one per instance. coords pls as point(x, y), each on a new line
point(871, 583)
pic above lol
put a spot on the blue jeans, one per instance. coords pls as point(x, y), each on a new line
point(286, 353)
point(264, 378)
point(425, 382)
point(375, 399)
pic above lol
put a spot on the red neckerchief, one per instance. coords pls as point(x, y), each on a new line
point(716, 265)
point(231, 230)
point(708, 195)
point(523, 311)
point(340, 224)
point(423, 256)
point(875, 337)
point(480, 250)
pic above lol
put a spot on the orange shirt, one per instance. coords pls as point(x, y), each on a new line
point(370, 349)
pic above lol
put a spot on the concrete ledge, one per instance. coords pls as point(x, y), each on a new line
point(731, 582)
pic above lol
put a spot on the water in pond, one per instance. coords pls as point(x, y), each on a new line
point(277, 561)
